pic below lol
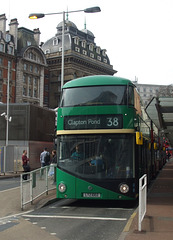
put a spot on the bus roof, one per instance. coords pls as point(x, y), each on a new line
point(97, 80)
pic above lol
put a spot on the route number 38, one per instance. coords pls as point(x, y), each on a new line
point(112, 122)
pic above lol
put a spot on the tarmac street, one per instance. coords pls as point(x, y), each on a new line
point(10, 202)
point(21, 229)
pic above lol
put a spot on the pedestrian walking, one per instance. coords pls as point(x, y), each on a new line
point(54, 157)
point(45, 158)
point(25, 164)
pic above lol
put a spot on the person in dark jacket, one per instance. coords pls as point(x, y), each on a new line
point(25, 164)
point(54, 157)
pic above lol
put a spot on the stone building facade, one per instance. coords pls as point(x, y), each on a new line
point(31, 64)
point(35, 71)
point(82, 57)
point(148, 91)
point(7, 61)
point(20, 52)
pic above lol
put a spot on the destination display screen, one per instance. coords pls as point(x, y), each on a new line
point(110, 121)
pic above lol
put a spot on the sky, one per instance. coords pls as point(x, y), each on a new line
point(137, 34)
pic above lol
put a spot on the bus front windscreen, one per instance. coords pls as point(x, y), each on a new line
point(97, 156)
point(95, 95)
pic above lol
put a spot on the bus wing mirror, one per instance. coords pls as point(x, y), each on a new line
point(139, 138)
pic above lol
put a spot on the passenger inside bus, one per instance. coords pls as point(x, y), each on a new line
point(77, 155)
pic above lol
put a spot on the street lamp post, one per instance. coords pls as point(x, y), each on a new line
point(41, 15)
point(62, 60)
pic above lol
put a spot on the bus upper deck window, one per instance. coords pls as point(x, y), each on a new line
point(131, 96)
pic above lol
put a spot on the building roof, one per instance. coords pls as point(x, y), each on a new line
point(97, 80)
point(67, 24)
point(88, 32)
point(160, 111)
point(54, 44)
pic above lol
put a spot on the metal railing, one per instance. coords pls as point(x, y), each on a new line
point(142, 199)
point(38, 182)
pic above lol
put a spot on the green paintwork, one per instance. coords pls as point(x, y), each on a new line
point(76, 187)
point(68, 180)
point(128, 113)
point(97, 80)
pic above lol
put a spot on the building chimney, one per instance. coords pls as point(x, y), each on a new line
point(13, 30)
point(37, 35)
point(3, 24)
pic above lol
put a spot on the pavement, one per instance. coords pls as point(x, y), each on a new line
point(12, 225)
point(157, 223)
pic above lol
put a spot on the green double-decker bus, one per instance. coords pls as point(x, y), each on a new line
point(100, 146)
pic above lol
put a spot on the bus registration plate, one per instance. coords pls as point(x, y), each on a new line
point(92, 195)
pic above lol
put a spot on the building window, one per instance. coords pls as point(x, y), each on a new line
point(47, 51)
point(10, 50)
point(29, 92)
point(46, 88)
point(99, 58)
point(98, 50)
point(105, 60)
point(31, 55)
point(9, 64)
point(8, 37)
point(0, 61)
point(1, 47)
point(35, 82)
point(83, 44)
point(91, 55)
point(104, 53)
point(29, 80)
point(55, 41)
point(28, 43)
point(35, 93)
point(25, 66)
point(46, 99)
point(77, 49)
point(36, 69)
point(24, 78)
point(91, 47)
point(84, 52)
point(31, 68)
point(24, 91)
point(0, 73)
point(76, 40)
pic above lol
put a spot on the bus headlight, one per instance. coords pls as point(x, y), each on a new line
point(124, 188)
point(62, 187)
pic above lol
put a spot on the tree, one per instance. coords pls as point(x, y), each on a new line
point(165, 91)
